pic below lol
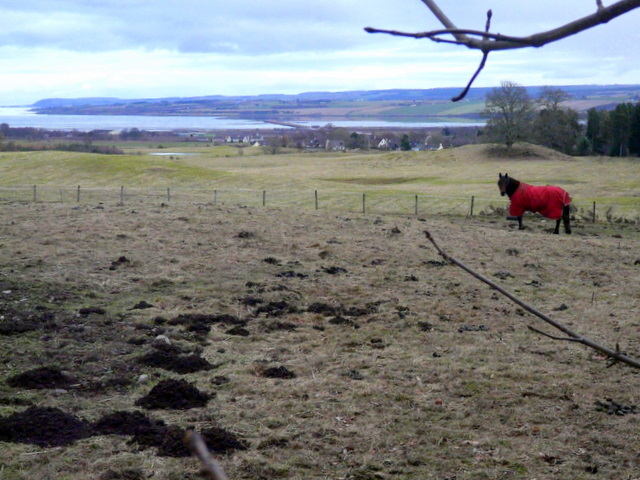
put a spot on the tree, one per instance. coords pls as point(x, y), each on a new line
point(620, 124)
point(595, 131)
point(556, 127)
point(509, 111)
point(634, 140)
point(405, 145)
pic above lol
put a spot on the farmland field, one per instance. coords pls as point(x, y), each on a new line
point(313, 344)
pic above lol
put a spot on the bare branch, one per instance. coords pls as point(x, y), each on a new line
point(466, 89)
point(198, 447)
point(614, 354)
point(563, 339)
point(487, 42)
point(444, 20)
point(504, 42)
point(435, 35)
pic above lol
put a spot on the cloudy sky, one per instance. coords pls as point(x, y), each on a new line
point(160, 48)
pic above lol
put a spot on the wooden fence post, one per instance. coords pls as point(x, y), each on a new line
point(593, 217)
point(122, 195)
point(472, 200)
point(416, 206)
point(168, 194)
point(316, 195)
point(215, 197)
point(78, 195)
point(363, 202)
point(264, 198)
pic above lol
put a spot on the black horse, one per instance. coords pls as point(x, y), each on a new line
point(550, 201)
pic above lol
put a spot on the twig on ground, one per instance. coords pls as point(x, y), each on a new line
point(198, 447)
point(613, 354)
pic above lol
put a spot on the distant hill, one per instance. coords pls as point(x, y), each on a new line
point(434, 103)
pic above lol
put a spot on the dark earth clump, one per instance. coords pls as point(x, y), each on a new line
point(172, 444)
point(175, 363)
point(291, 274)
point(324, 309)
point(339, 320)
point(126, 474)
point(142, 305)
point(217, 440)
point(127, 423)
point(86, 311)
point(220, 440)
point(16, 322)
point(173, 394)
point(43, 426)
point(614, 408)
point(286, 326)
point(40, 378)
point(238, 331)
point(278, 372)
point(276, 309)
point(473, 328)
point(334, 270)
point(116, 263)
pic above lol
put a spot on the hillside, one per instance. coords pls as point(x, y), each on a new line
point(428, 104)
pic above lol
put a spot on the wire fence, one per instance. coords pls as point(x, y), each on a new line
point(364, 202)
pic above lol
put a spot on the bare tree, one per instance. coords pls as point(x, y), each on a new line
point(509, 112)
point(488, 42)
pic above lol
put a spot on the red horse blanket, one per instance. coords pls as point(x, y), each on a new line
point(547, 201)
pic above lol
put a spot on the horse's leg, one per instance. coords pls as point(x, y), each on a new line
point(556, 230)
point(519, 219)
point(566, 218)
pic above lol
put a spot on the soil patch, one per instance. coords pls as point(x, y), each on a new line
point(175, 363)
point(43, 426)
point(41, 378)
point(174, 395)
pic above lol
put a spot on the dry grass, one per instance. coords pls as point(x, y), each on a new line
point(409, 385)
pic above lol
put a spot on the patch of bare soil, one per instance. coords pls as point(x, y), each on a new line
point(311, 345)
point(173, 394)
point(43, 426)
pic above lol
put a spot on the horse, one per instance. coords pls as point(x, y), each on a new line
point(550, 201)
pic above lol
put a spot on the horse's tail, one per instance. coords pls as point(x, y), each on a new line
point(566, 198)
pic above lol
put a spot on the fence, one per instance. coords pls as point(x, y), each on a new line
point(364, 202)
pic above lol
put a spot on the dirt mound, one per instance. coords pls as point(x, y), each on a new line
point(51, 427)
point(174, 395)
point(43, 426)
point(127, 423)
point(278, 372)
point(15, 322)
point(217, 439)
point(220, 440)
point(41, 378)
point(176, 363)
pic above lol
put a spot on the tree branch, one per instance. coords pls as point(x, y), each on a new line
point(614, 354)
point(195, 443)
point(488, 42)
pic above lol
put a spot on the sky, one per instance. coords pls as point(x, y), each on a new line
point(166, 48)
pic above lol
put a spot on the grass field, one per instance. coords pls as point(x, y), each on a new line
point(447, 178)
point(310, 344)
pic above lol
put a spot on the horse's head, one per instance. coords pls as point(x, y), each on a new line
point(503, 182)
point(507, 185)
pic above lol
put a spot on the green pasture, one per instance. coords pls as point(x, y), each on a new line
point(454, 174)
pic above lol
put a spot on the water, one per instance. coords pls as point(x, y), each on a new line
point(24, 117)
